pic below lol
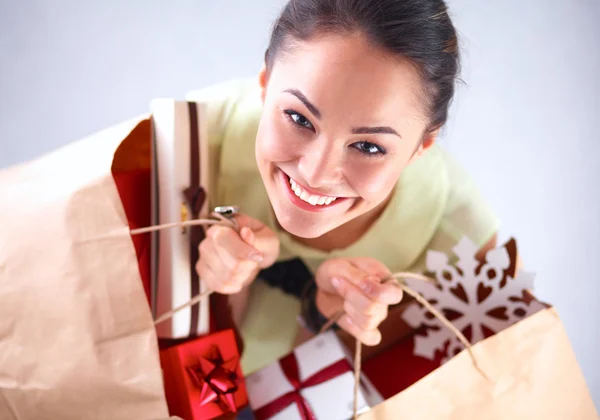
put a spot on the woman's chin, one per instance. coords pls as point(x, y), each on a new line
point(302, 227)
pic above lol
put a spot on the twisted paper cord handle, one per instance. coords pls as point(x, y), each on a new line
point(219, 219)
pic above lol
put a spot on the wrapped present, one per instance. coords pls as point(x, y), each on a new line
point(203, 378)
point(180, 171)
point(521, 364)
point(315, 381)
point(397, 368)
point(133, 184)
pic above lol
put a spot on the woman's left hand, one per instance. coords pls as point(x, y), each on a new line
point(354, 286)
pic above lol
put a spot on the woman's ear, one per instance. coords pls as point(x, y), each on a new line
point(262, 81)
point(427, 142)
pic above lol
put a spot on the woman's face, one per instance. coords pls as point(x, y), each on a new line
point(341, 120)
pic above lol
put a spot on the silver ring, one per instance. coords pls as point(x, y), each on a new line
point(227, 211)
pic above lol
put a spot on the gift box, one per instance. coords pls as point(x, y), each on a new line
point(203, 377)
point(315, 381)
point(133, 186)
point(180, 178)
point(397, 368)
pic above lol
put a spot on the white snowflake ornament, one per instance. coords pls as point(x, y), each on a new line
point(480, 299)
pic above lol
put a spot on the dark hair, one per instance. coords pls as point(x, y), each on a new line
point(419, 30)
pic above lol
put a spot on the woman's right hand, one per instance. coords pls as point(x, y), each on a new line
point(229, 260)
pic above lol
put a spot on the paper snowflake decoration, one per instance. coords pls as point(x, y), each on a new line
point(479, 298)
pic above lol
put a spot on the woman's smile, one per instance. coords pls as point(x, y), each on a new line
point(304, 197)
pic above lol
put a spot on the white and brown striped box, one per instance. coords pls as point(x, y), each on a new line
point(179, 192)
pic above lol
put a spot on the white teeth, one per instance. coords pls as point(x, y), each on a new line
point(314, 199)
point(310, 198)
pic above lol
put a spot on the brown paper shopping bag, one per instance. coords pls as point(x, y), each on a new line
point(530, 373)
point(77, 340)
point(521, 366)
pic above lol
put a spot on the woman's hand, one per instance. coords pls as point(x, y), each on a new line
point(230, 261)
point(354, 286)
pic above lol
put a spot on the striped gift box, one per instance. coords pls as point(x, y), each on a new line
point(179, 192)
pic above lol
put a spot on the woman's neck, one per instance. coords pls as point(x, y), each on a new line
point(346, 234)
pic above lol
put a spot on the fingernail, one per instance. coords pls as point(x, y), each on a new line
point(256, 257)
point(336, 282)
point(366, 286)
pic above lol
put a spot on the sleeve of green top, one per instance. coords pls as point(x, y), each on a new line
point(467, 212)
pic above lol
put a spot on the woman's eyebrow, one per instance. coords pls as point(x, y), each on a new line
point(375, 130)
point(358, 130)
point(313, 109)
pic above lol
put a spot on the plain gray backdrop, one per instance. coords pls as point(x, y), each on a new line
point(525, 123)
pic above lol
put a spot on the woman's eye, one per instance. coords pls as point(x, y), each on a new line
point(299, 119)
point(368, 148)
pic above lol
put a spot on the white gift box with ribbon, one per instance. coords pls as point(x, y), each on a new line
point(317, 378)
point(180, 172)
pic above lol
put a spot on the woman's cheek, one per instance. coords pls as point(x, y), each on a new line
point(276, 142)
point(373, 183)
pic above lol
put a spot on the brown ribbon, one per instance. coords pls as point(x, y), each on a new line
point(195, 197)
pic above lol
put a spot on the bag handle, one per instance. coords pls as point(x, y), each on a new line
point(218, 219)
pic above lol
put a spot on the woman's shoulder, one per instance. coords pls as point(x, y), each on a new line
point(228, 106)
point(462, 211)
point(232, 110)
point(413, 214)
point(435, 203)
point(224, 93)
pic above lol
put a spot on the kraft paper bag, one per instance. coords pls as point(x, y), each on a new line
point(522, 367)
point(530, 373)
point(77, 339)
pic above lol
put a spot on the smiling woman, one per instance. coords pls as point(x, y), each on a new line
point(332, 157)
point(341, 122)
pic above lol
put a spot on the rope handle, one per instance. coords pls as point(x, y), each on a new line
point(218, 219)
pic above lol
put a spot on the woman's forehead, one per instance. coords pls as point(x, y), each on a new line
point(348, 74)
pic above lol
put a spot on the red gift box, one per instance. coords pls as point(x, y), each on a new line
point(203, 378)
point(397, 368)
point(134, 191)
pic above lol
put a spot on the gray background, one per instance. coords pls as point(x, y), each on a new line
point(524, 125)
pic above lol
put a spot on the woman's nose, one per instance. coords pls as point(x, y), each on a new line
point(321, 163)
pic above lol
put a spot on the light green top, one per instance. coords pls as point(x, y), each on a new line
point(434, 204)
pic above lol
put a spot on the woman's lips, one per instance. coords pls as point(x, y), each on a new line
point(327, 202)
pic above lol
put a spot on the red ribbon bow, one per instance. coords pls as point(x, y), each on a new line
point(217, 380)
point(289, 365)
